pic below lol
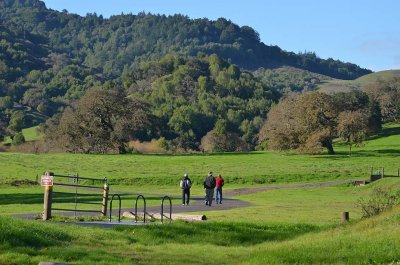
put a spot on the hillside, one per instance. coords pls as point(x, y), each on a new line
point(336, 85)
point(49, 59)
point(125, 40)
point(286, 79)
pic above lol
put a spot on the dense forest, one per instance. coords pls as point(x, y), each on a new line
point(196, 77)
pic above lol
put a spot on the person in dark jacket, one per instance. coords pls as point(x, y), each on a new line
point(219, 183)
point(185, 185)
point(209, 185)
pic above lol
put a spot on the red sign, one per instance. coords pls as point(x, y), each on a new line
point(46, 180)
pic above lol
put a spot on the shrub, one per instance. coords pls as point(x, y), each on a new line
point(152, 147)
point(18, 139)
point(229, 142)
point(379, 201)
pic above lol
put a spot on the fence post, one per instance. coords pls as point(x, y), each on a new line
point(345, 216)
point(106, 189)
point(48, 197)
point(383, 172)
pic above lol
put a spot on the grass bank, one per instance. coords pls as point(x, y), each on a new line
point(373, 241)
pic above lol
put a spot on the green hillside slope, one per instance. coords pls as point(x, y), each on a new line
point(336, 85)
point(122, 41)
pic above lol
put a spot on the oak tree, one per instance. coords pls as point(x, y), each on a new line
point(102, 121)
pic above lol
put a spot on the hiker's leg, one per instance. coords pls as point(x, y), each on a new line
point(188, 197)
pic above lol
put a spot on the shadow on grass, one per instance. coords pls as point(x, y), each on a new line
point(23, 198)
point(220, 234)
point(361, 153)
point(238, 153)
point(20, 198)
point(386, 132)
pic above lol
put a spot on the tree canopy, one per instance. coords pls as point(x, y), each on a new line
point(310, 121)
point(102, 121)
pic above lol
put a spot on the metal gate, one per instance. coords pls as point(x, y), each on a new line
point(73, 193)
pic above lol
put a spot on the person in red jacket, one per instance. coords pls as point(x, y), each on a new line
point(219, 183)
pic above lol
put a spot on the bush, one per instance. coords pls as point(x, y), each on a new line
point(229, 142)
point(152, 147)
point(18, 139)
point(379, 201)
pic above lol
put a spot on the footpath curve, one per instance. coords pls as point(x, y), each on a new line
point(231, 203)
point(197, 202)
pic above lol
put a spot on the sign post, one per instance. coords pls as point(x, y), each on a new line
point(106, 189)
point(47, 182)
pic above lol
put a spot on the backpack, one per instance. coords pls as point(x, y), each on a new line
point(209, 183)
point(188, 184)
point(213, 183)
point(185, 184)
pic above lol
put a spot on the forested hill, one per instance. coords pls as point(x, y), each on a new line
point(107, 47)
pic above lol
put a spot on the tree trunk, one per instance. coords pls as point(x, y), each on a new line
point(328, 145)
point(122, 149)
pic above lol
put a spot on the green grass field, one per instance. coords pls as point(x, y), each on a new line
point(228, 241)
point(238, 168)
point(282, 226)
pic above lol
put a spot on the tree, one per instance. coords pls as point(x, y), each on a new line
point(16, 121)
point(6, 103)
point(305, 122)
point(18, 139)
point(220, 127)
point(190, 125)
point(375, 117)
point(316, 119)
point(351, 101)
point(250, 128)
point(2, 126)
point(102, 121)
point(228, 142)
point(279, 132)
point(353, 126)
point(387, 94)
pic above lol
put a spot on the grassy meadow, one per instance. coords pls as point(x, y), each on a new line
point(282, 226)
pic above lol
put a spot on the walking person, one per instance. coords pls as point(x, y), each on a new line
point(209, 185)
point(185, 185)
point(219, 183)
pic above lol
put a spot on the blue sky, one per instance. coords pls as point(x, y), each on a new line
point(366, 32)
